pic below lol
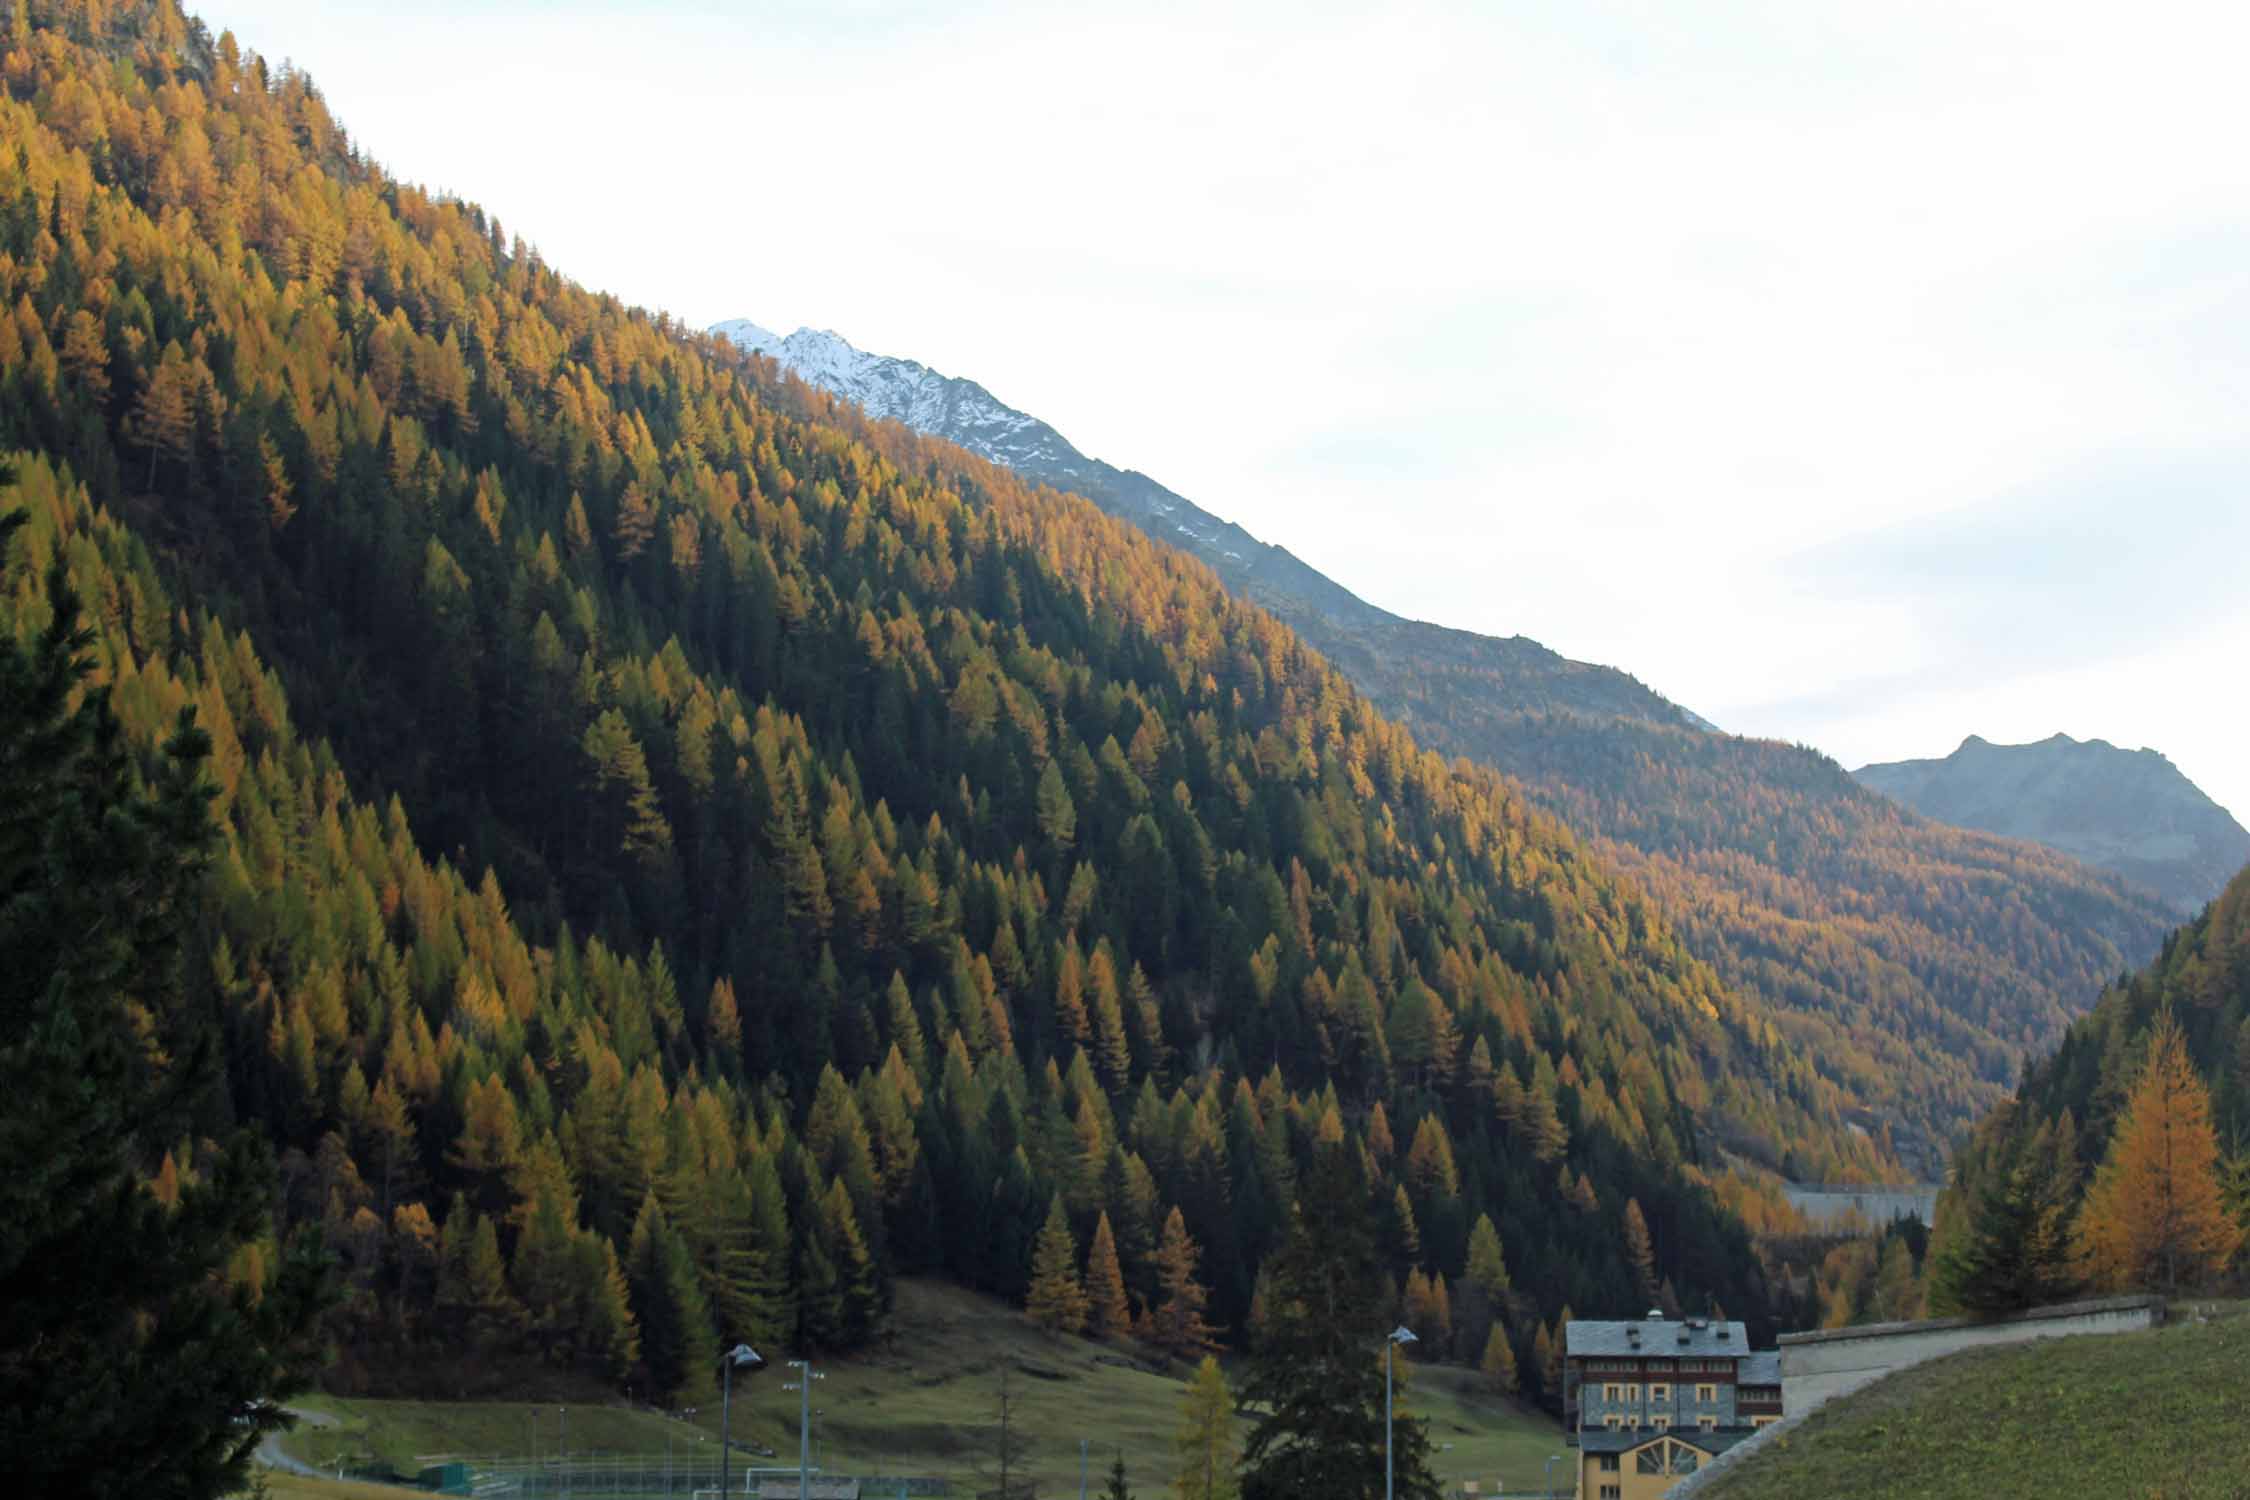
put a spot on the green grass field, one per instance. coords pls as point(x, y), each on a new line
point(2164, 1413)
point(926, 1404)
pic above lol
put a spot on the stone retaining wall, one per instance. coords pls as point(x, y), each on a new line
point(1817, 1367)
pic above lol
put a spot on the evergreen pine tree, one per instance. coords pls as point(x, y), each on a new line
point(124, 1369)
point(1316, 1377)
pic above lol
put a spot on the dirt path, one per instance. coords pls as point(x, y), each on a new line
point(269, 1450)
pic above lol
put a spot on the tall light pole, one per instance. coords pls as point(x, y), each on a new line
point(749, 1358)
point(806, 1375)
point(1552, 1460)
point(1399, 1335)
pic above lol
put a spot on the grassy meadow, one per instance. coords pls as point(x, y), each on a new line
point(2163, 1413)
point(925, 1404)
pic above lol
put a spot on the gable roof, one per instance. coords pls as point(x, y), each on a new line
point(1632, 1440)
point(1658, 1338)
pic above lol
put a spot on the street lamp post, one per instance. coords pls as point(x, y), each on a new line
point(806, 1375)
point(1552, 1460)
point(1399, 1335)
point(740, 1354)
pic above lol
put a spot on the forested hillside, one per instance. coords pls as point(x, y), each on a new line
point(1923, 964)
point(1917, 964)
point(684, 864)
point(2123, 1160)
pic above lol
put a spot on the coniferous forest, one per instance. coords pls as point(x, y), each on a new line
point(2122, 1163)
point(686, 856)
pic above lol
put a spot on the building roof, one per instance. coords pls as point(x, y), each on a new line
point(1713, 1441)
point(1657, 1337)
point(1761, 1367)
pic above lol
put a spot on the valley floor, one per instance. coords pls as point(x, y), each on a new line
point(925, 1405)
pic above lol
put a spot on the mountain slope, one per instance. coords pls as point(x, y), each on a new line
point(1917, 964)
point(690, 859)
point(2125, 810)
point(1391, 658)
point(2202, 979)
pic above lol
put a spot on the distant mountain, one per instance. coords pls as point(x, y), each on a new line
point(1914, 963)
point(1391, 658)
point(2125, 810)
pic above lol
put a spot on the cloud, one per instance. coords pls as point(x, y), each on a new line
point(2097, 563)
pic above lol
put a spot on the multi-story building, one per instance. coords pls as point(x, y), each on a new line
point(1652, 1400)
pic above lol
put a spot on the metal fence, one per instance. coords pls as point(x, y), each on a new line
point(687, 1473)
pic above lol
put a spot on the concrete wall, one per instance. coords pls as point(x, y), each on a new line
point(1816, 1367)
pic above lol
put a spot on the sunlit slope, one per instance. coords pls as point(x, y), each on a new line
point(689, 864)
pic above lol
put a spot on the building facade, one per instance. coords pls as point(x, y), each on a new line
point(1646, 1402)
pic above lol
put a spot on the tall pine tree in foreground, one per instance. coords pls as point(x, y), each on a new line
point(2154, 1217)
point(129, 1363)
point(1317, 1371)
point(2013, 1250)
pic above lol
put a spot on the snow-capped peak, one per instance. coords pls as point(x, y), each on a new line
point(905, 390)
point(750, 336)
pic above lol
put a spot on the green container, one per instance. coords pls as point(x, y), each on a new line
point(446, 1479)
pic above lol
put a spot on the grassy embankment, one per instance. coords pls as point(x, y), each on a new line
point(927, 1404)
point(2141, 1414)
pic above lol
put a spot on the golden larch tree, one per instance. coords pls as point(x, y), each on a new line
point(1206, 1438)
point(1056, 1300)
point(1111, 1314)
point(2154, 1216)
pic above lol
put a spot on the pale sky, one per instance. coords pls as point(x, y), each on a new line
point(1863, 374)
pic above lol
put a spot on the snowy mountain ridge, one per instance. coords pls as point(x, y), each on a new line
point(1369, 643)
point(906, 390)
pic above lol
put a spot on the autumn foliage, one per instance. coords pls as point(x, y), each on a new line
point(2154, 1218)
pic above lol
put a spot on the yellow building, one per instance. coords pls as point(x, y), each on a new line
point(1649, 1401)
point(1625, 1464)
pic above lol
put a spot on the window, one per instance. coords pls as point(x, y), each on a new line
point(1659, 1393)
point(1606, 1462)
point(1633, 1422)
point(1708, 1424)
point(1706, 1393)
point(1632, 1392)
point(1609, 1392)
point(1684, 1459)
point(1660, 1421)
point(1612, 1421)
point(1649, 1460)
point(1613, 1492)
